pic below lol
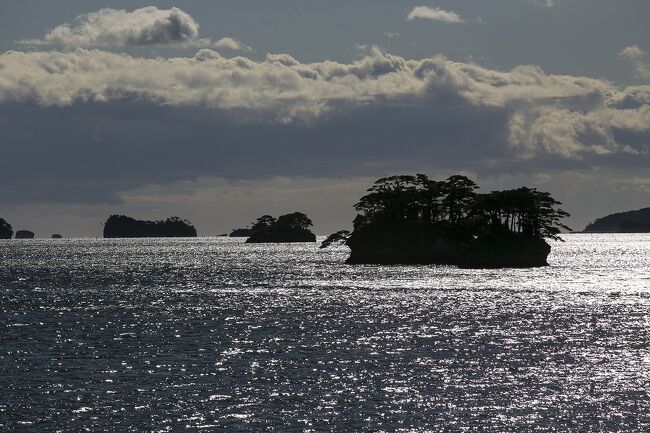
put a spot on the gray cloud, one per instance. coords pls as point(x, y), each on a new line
point(109, 123)
point(119, 27)
point(434, 14)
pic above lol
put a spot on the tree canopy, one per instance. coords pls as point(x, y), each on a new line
point(296, 221)
point(412, 200)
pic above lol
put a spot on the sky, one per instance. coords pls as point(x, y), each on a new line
point(220, 112)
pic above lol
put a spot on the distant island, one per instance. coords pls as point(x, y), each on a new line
point(24, 234)
point(293, 227)
point(634, 221)
point(56, 236)
point(409, 219)
point(6, 231)
point(120, 226)
point(240, 233)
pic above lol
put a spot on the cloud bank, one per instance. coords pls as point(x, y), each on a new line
point(109, 122)
point(553, 114)
point(434, 14)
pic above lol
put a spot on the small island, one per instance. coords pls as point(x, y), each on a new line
point(6, 231)
point(634, 221)
point(240, 233)
point(120, 226)
point(293, 227)
point(24, 234)
point(56, 236)
point(409, 219)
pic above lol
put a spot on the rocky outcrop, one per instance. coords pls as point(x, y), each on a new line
point(634, 221)
point(24, 234)
point(506, 250)
point(6, 231)
point(416, 245)
point(265, 236)
point(411, 219)
point(293, 227)
point(241, 233)
point(120, 226)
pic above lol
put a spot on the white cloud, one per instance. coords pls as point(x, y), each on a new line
point(392, 35)
point(561, 115)
point(434, 14)
point(120, 28)
point(231, 44)
point(632, 52)
point(637, 55)
point(545, 3)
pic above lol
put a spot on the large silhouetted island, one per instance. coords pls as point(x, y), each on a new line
point(6, 231)
point(293, 227)
point(414, 220)
point(634, 221)
point(120, 226)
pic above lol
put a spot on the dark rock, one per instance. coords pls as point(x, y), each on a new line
point(24, 234)
point(264, 236)
point(634, 221)
point(6, 231)
point(505, 250)
point(417, 245)
point(120, 226)
point(56, 236)
point(241, 233)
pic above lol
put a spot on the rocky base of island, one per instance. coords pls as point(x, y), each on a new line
point(281, 237)
point(418, 246)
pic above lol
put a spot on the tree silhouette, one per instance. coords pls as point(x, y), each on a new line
point(6, 231)
point(265, 222)
point(459, 196)
point(291, 227)
point(293, 221)
point(417, 201)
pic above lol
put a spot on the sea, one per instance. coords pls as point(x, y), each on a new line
point(212, 334)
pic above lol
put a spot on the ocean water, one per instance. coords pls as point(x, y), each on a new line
point(211, 334)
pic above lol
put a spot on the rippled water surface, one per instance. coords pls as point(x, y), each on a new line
point(211, 334)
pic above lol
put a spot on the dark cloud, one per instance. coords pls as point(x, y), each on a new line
point(86, 126)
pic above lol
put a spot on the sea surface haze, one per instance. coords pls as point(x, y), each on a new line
point(211, 334)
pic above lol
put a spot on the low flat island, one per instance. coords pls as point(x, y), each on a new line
point(120, 226)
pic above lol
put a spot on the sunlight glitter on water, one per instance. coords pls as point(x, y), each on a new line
point(214, 334)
